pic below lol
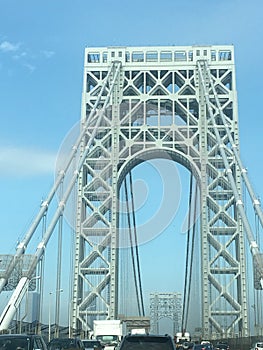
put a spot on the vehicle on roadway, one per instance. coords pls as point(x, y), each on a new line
point(92, 344)
point(66, 343)
point(147, 342)
point(109, 332)
point(22, 342)
point(188, 345)
point(222, 346)
point(205, 346)
point(257, 346)
point(181, 338)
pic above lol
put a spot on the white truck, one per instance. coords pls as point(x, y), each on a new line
point(139, 331)
point(181, 339)
point(109, 332)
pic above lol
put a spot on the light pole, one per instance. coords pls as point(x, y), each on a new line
point(58, 291)
point(86, 328)
point(69, 317)
point(49, 316)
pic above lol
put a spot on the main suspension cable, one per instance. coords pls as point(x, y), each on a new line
point(239, 204)
point(254, 199)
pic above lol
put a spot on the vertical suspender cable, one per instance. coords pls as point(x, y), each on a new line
point(58, 283)
point(191, 258)
point(131, 248)
point(136, 246)
point(186, 281)
point(41, 266)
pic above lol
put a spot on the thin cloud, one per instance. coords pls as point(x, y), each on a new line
point(25, 162)
point(7, 46)
point(24, 56)
point(30, 67)
point(48, 54)
point(20, 55)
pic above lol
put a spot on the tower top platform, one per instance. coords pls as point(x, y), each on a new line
point(159, 55)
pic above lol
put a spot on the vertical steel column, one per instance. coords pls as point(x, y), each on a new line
point(204, 209)
point(116, 98)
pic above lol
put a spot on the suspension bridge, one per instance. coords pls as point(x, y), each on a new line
point(141, 104)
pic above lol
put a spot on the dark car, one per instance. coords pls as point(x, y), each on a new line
point(66, 343)
point(188, 345)
point(221, 346)
point(22, 342)
point(92, 344)
point(205, 346)
point(147, 342)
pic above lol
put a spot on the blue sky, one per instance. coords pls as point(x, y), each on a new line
point(41, 69)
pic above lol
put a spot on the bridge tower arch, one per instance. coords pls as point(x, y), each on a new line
point(138, 101)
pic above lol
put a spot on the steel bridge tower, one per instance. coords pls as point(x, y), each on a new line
point(179, 103)
point(166, 305)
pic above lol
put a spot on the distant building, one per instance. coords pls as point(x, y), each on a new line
point(33, 309)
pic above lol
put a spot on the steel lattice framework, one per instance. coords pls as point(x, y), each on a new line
point(142, 103)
